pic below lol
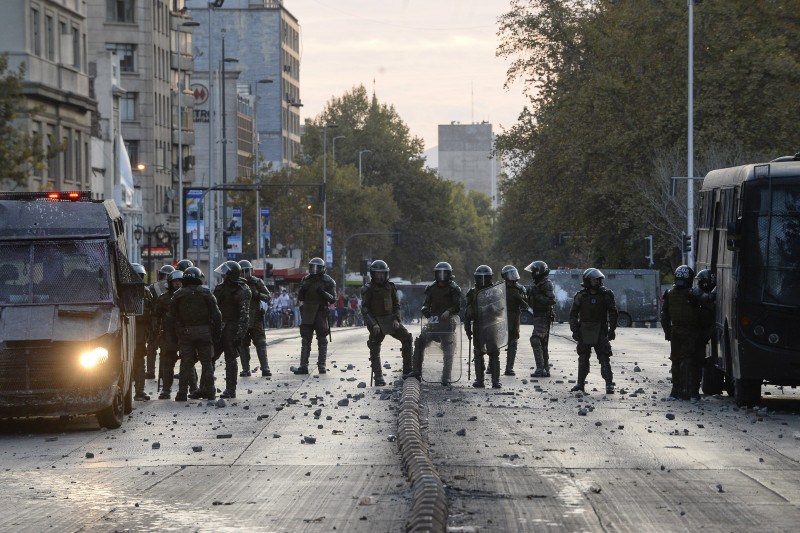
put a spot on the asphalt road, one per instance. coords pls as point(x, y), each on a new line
point(527, 460)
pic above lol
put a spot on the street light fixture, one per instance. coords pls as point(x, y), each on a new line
point(333, 142)
point(359, 164)
point(324, 191)
point(160, 233)
point(181, 222)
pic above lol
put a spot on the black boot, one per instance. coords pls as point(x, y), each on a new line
point(479, 369)
point(511, 355)
point(408, 358)
point(675, 370)
point(322, 347)
point(583, 371)
point(305, 352)
point(494, 361)
point(608, 375)
point(244, 357)
point(261, 351)
point(416, 360)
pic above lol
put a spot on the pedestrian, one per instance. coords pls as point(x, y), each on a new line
point(196, 321)
point(168, 343)
point(296, 307)
point(443, 301)
point(285, 303)
point(515, 303)
point(381, 314)
point(143, 324)
point(233, 299)
point(473, 314)
point(340, 305)
point(680, 320)
point(592, 320)
point(255, 328)
point(316, 293)
point(156, 289)
point(541, 299)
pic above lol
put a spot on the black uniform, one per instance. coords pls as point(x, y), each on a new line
point(316, 294)
point(440, 296)
point(541, 298)
point(471, 315)
point(144, 323)
point(156, 289)
point(255, 329)
point(233, 299)
point(196, 321)
point(593, 319)
point(168, 343)
point(515, 303)
point(380, 306)
point(681, 322)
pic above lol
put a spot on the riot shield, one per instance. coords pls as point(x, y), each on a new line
point(441, 348)
point(160, 287)
point(492, 321)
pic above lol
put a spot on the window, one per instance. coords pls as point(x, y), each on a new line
point(36, 32)
point(132, 148)
point(120, 10)
point(50, 41)
point(76, 48)
point(127, 106)
point(126, 55)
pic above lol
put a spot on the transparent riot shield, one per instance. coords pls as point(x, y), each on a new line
point(160, 287)
point(492, 321)
point(441, 348)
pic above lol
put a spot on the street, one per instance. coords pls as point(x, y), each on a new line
point(318, 453)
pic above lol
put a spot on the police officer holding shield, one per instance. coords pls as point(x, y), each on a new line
point(166, 340)
point(156, 289)
point(515, 303)
point(481, 346)
point(593, 319)
point(255, 329)
point(380, 307)
point(317, 292)
point(233, 299)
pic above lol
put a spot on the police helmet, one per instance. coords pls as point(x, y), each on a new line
point(175, 275)
point(139, 269)
point(509, 273)
point(684, 276)
point(592, 273)
point(538, 270)
point(247, 268)
point(706, 280)
point(165, 271)
point(443, 271)
point(183, 264)
point(483, 276)
point(379, 271)
point(193, 276)
point(316, 266)
point(230, 269)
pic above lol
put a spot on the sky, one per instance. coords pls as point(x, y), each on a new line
point(434, 60)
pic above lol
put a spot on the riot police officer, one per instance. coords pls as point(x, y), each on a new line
point(483, 280)
point(183, 264)
point(593, 319)
point(317, 291)
point(380, 307)
point(196, 321)
point(255, 329)
point(541, 299)
point(156, 289)
point(707, 282)
point(515, 303)
point(166, 339)
point(233, 299)
point(442, 300)
point(143, 324)
point(680, 320)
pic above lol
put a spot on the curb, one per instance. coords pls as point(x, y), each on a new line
point(429, 505)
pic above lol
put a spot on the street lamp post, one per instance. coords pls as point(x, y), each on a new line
point(359, 164)
point(324, 185)
point(333, 143)
point(161, 234)
point(690, 153)
point(181, 88)
point(224, 130)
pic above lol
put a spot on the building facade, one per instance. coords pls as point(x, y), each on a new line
point(50, 38)
point(152, 40)
point(466, 156)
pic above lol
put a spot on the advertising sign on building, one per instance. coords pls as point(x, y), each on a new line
point(193, 210)
point(233, 229)
point(265, 244)
point(328, 248)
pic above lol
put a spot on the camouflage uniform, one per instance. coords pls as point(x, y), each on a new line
point(380, 306)
point(255, 329)
point(233, 299)
point(593, 319)
point(316, 294)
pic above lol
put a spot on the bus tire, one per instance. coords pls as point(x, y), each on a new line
point(713, 378)
point(112, 416)
point(747, 392)
point(624, 320)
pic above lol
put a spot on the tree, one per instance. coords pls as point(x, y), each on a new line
point(20, 152)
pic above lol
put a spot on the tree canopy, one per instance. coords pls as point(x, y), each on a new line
point(607, 124)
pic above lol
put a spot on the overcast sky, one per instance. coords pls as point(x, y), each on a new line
point(434, 60)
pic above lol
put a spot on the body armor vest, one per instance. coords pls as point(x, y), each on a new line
point(545, 286)
point(682, 309)
point(193, 309)
point(593, 307)
point(442, 298)
point(227, 304)
point(380, 303)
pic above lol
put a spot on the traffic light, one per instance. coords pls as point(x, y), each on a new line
point(686, 243)
point(364, 267)
point(268, 270)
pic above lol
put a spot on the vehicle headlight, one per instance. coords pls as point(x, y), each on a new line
point(94, 357)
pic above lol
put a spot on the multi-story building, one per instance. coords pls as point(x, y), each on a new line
point(152, 40)
point(262, 43)
point(50, 38)
point(466, 156)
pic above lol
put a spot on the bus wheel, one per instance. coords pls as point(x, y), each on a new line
point(713, 378)
point(624, 320)
point(112, 416)
point(747, 392)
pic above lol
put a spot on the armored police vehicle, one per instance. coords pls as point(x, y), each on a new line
point(68, 297)
point(636, 291)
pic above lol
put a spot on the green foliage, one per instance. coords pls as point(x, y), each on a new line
point(606, 128)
